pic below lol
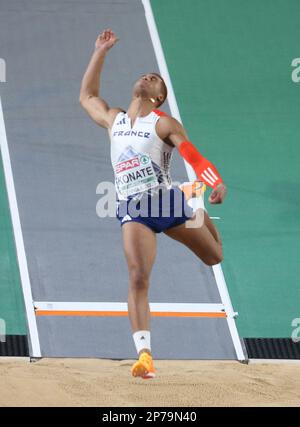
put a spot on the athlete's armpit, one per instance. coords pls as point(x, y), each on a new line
point(171, 131)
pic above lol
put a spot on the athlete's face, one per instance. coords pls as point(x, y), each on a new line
point(150, 86)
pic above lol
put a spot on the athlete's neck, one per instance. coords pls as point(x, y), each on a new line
point(140, 107)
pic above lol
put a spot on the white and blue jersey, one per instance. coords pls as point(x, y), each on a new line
point(140, 159)
point(141, 163)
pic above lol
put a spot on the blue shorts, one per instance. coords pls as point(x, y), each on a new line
point(159, 212)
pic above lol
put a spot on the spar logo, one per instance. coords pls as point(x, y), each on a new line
point(132, 163)
point(128, 164)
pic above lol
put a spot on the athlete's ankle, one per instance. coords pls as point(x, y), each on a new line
point(145, 350)
point(142, 341)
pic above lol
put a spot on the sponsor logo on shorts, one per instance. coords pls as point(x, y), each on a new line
point(126, 218)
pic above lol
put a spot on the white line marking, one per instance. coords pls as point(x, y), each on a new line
point(225, 298)
point(122, 306)
point(20, 249)
point(190, 171)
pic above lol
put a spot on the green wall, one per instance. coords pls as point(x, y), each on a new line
point(11, 298)
point(230, 65)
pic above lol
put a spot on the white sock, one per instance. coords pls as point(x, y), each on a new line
point(142, 340)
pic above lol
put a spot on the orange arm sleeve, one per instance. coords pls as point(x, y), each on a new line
point(204, 169)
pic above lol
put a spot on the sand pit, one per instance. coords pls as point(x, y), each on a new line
point(91, 382)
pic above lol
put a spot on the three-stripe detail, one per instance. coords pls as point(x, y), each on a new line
point(209, 176)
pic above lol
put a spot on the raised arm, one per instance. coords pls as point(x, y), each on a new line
point(171, 131)
point(89, 97)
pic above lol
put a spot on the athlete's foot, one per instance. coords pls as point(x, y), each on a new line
point(144, 367)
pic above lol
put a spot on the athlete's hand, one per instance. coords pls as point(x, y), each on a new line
point(218, 194)
point(106, 40)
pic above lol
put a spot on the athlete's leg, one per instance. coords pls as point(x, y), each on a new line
point(139, 243)
point(204, 241)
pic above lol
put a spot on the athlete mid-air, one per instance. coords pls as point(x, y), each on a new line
point(142, 140)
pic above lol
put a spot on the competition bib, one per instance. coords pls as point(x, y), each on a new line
point(135, 175)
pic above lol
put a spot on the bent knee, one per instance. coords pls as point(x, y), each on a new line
point(214, 259)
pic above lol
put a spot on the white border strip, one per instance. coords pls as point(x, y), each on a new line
point(274, 362)
point(25, 281)
point(231, 315)
point(122, 306)
point(191, 174)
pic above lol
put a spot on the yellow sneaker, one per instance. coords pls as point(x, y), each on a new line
point(144, 367)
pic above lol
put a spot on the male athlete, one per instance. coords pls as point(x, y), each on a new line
point(142, 141)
